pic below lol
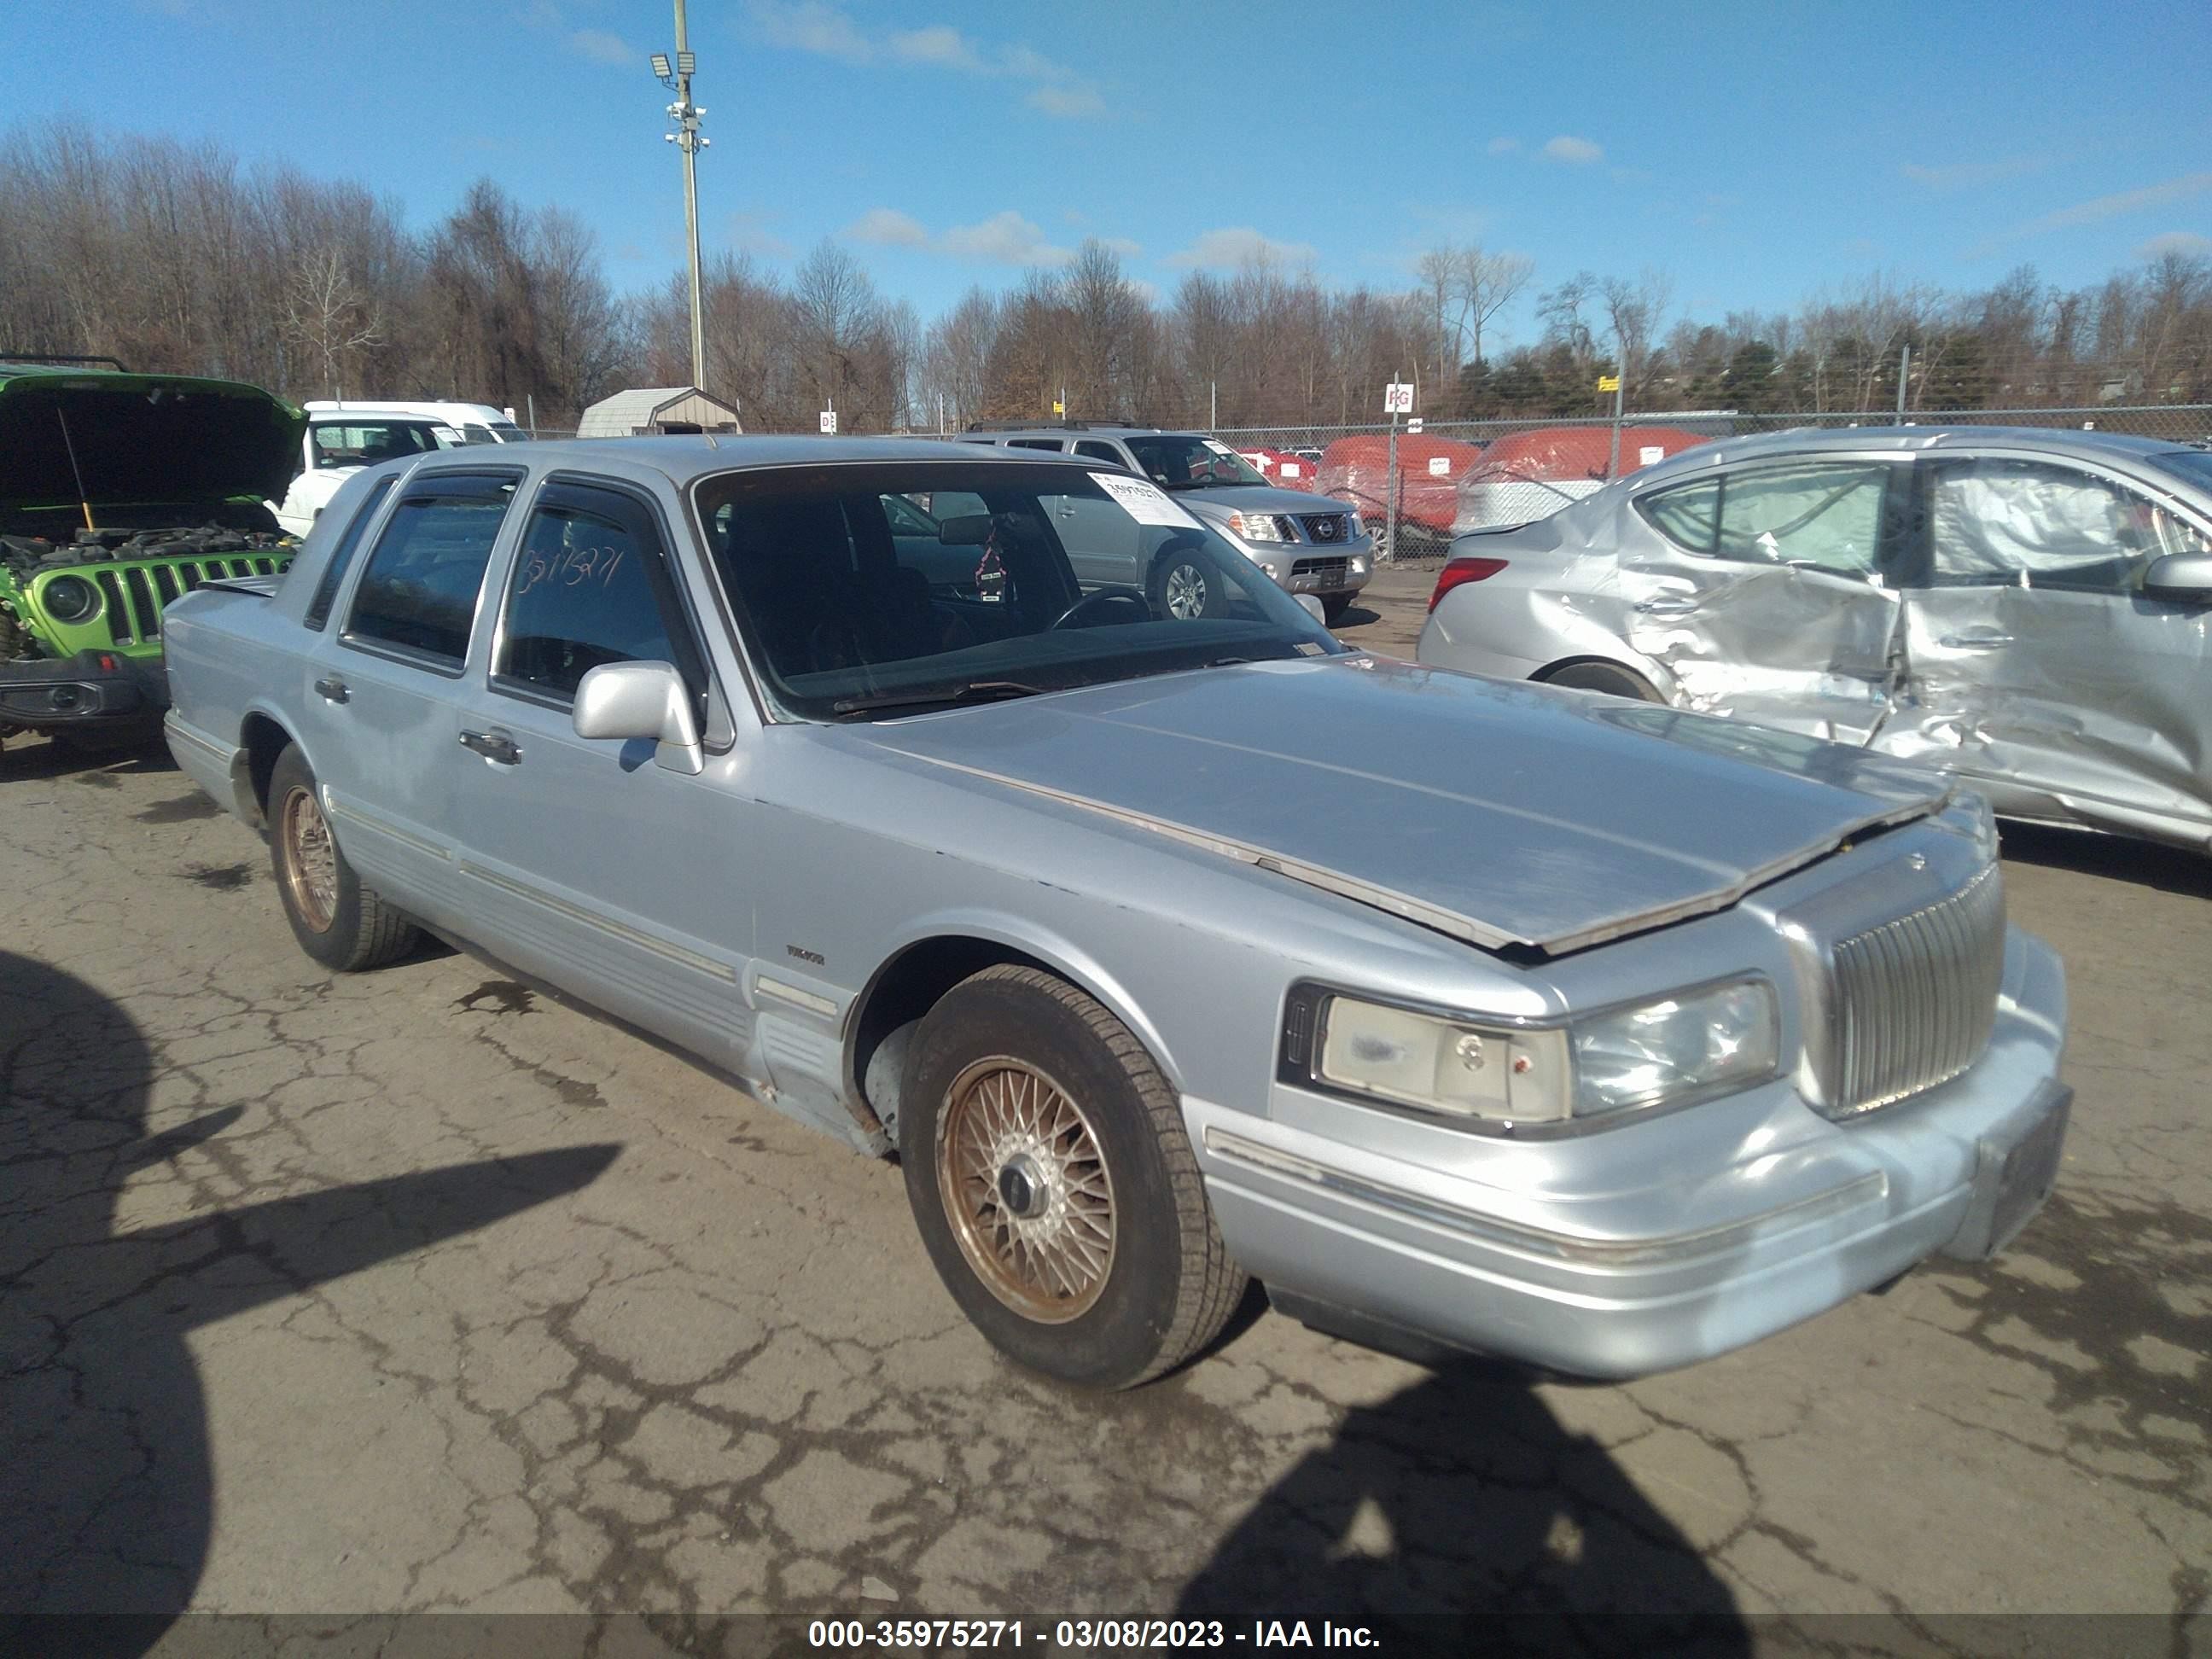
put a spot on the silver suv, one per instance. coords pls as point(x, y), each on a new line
point(1308, 544)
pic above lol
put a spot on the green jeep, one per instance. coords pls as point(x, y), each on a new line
point(117, 493)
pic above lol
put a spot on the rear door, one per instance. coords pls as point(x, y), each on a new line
point(1768, 590)
point(379, 715)
point(2036, 665)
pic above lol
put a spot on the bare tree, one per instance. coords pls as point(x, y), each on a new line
point(1486, 283)
point(328, 317)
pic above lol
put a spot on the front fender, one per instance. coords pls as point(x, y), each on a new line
point(1028, 937)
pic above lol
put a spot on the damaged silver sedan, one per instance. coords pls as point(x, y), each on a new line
point(1162, 950)
point(2031, 610)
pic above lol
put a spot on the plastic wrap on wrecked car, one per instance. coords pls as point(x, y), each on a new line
point(1532, 475)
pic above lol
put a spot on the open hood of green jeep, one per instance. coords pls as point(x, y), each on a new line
point(139, 438)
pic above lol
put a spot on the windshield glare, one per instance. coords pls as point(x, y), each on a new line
point(1181, 462)
point(911, 583)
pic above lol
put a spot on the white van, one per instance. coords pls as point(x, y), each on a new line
point(477, 423)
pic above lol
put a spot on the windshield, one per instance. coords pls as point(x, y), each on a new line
point(366, 442)
point(866, 589)
point(1181, 462)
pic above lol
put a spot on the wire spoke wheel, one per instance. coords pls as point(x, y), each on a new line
point(1027, 1189)
point(311, 860)
point(1186, 592)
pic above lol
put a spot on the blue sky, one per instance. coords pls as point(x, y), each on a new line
point(1754, 152)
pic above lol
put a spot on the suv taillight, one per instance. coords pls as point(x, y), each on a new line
point(1463, 570)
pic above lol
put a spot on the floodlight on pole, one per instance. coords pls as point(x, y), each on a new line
point(685, 114)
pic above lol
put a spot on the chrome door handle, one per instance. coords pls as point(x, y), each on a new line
point(332, 687)
point(1974, 641)
point(1667, 607)
point(493, 746)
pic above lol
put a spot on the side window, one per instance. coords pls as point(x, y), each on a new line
point(589, 586)
point(1688, 515)
point(1052, 444)
point(2035, 524)
point(326, 590)
point(419, 591)
point(1098, 451)
point(1824, 513)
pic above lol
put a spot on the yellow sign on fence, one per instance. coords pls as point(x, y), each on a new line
point(1609, 383)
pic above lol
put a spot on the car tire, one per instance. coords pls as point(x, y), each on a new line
point(1027, 1102)
point(1334, 605)
point(1184, 589)
point(342, 924)
point(1608, 677)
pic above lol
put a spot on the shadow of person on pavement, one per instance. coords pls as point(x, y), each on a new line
point(1463, 1495)
point(105, 1486)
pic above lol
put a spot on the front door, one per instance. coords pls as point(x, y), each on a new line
point(2037, 665)
point(1770, 592)
point(587, 862)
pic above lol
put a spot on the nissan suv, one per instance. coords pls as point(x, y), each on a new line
point(1310, 544)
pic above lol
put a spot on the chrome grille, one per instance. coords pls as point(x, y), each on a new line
point(1326, 526)
point(1916, 998)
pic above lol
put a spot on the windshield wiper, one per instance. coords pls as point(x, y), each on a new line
point(973, 691)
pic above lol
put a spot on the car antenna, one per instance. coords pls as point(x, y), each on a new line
point(70, 444)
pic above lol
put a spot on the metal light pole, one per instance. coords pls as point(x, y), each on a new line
point(686, 138)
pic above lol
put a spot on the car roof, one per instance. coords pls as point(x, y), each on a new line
point(1903, 439)
point(686, 459)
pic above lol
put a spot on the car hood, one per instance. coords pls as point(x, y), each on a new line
point(1259, 498)
point(1505, 814)
point(140, 438)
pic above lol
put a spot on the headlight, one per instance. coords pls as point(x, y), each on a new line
point(1673, 1049)
point(70, 599)
point(1256, 526)
point(1439, 1065)
point(1701, 1043)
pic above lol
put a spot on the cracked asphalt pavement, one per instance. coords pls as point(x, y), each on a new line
point(416, 1291)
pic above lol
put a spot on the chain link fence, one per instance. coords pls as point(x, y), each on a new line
point(1448, 477)
point(1444, 478)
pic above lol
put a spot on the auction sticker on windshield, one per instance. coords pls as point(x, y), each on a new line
point(1143, 503)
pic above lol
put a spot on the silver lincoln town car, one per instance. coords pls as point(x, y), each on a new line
point(1163, 950)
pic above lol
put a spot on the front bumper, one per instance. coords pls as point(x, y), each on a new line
point(1544, 1259)
point(93, 688)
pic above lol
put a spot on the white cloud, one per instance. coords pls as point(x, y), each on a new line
point(1580, 151)
point(748, 233)
point(1148, 292)
point(887, 228)
point(809, 25)
point(1006, 238)
point(2186, 243)
point(1122, 246)
point(1964, 175)
point(2101, 208)
point(827, 31)
point(1504, 146)
point(601, 47)
point(941, 43)
point(1227, 249)
point(1069, 103)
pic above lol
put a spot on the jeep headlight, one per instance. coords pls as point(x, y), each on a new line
point(1688, 1045)
point(70, 599)
point(1694, 1044)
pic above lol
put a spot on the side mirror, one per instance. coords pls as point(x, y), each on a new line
point(969, 530)
point(2185, 578)
point(632, 699)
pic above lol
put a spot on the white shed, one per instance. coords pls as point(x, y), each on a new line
point(657, 408)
